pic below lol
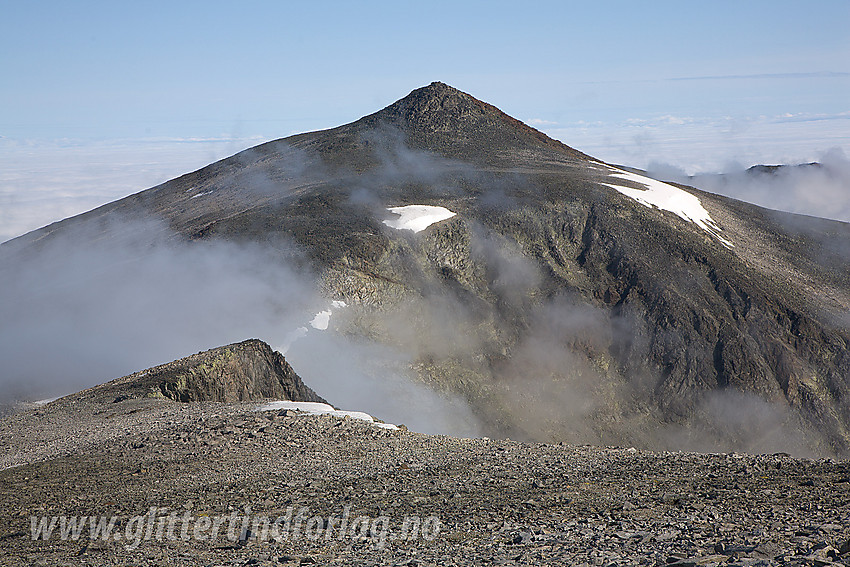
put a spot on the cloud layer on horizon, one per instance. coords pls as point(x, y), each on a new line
point(822, 190)
point(707, 145)
point(42, 182)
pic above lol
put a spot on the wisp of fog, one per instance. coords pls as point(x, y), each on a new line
point(105, 301)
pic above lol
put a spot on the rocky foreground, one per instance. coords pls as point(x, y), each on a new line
point(286, 488)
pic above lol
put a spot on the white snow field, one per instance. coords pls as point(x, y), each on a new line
point(323, 318)
point(669, 198)
point(417, 217)
point(316, 408)
point(320, 321)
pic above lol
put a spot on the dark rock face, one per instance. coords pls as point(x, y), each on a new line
point(244, 371)
point(559, 307)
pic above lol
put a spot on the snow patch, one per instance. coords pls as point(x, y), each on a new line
point(200, 194)
point(321, 320)
point(317, 408)
point(417, 217)
point(669, 198)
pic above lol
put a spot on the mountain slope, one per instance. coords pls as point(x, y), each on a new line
point(566, 300)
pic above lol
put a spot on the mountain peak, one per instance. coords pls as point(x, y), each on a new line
point(439, 116)
point(435, 107)
point(570, 281)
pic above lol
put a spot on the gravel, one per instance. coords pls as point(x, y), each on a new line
point(478, 501)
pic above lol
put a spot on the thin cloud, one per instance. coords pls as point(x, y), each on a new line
point(806, 117)
point(667, 119)
point(750, 76)
point(812, 75)
point(541, 122)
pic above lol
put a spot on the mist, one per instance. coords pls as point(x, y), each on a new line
point(821, 189)
point(108, 301)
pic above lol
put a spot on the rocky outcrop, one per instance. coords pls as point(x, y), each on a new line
point(217, 380)
point(244, 371)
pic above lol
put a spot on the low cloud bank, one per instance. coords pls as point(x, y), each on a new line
point(46, 181)
point(821, 189)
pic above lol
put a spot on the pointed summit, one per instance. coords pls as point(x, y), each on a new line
point(441, 118)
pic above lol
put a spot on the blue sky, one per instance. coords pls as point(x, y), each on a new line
point(102, 99)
